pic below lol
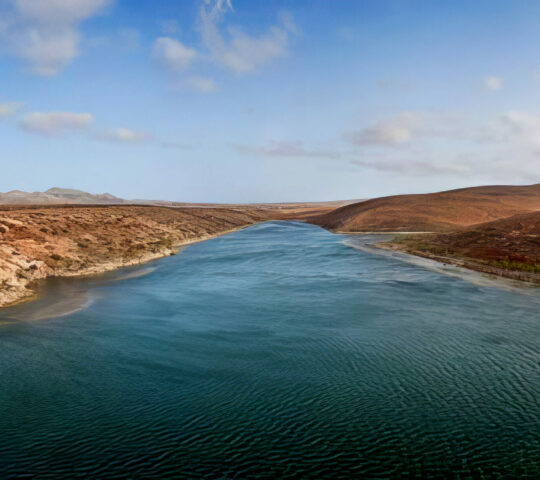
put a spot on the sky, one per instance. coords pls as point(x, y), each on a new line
point(268, 100)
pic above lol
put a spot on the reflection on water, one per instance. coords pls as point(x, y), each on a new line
point(276, 351)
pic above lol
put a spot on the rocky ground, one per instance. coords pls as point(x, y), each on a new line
point(40, 242)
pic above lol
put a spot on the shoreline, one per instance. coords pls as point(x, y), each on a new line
point(27, 291)
point(464, 263)
point(467, 264)
point(343, 232)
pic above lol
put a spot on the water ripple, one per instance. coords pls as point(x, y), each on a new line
point(273, 352)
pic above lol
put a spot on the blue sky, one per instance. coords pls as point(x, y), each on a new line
point(245, 101)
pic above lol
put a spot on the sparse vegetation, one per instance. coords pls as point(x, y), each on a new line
point(518, 266)
point(511, 244)
point(88, 242)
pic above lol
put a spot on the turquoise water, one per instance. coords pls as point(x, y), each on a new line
point(276, 351)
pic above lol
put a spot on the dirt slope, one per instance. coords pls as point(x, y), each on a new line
point(436, 212)
point(512, 242)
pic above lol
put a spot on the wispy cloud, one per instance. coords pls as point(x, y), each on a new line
point(124, 135)
point(393, 132)
point(45, 34)
point(443, 144)
point(55, 123)
point(406, 127)
point(413, 167)
point(237, 50)
point(228, 47)
point(173, 54)
point(10, 108)
point(523, 127)
point(284, 149)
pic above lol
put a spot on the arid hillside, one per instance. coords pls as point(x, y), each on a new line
point(434, 212)
point(40, 242)
point(512, 242)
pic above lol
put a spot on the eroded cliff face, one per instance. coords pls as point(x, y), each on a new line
point(36, 243)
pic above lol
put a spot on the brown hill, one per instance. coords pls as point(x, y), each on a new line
point(435, 212)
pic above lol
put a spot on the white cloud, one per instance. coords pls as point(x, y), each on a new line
point(238, 51)
point(173, 54)
point(493, 83)
point(44, 34)
point(522, 127)
point(506, 147)
point(7, 109)
point(231, 47)
point(55, 123)
point(394, 132)
point(48, 52)
point(406, 127)
point(125, 135)
point(202, 84)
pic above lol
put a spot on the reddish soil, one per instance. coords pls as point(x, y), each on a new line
point(513, 243)
point(434, 212)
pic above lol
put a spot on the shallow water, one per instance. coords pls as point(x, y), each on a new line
point(275, 351)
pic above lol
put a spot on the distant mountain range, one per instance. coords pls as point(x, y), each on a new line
point(58, 196)
point(62, 196)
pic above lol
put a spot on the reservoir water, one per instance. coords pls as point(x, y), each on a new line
point(278, 351)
